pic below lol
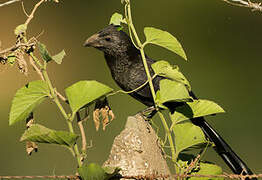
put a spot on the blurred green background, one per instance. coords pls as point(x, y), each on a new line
point(223, 45)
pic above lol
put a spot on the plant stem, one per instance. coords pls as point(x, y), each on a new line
point(68, 118)
point(131, 25)
point(44, 75)
point(36, 60)
point(141, 48)
point(169, 136)
point(148, 74)
point(59, 105)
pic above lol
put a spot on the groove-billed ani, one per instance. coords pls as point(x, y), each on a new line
point(127, 69)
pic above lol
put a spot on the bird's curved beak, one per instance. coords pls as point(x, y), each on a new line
point(92, 41)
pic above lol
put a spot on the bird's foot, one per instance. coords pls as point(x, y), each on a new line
point(148, 113)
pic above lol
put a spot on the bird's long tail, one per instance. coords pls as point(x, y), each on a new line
point(223, 149)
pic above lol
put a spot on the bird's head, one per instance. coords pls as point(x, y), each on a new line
point(110, 40)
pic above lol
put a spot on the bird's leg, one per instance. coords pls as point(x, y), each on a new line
point(148, 113)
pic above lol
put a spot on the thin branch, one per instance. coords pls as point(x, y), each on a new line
point(31, 16)
point(15, 47)
point(23, 7)
point(32, 62)
point(60, 96)
point(82, 131)
point(192, 164)
point(9, 2)
point(254, 6)
point(136, 89)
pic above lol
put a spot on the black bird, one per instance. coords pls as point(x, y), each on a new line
point(127, 69)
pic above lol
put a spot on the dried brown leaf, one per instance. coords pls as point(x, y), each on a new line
point(96, 120)
point(30, 147)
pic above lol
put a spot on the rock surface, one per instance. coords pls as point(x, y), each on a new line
point(136, 150)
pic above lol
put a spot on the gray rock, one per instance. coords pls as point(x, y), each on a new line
point(136, 150)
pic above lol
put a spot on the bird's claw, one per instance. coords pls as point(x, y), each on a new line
point(148, 113)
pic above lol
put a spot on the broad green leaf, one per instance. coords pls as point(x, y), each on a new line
point(188, 136)
point(59, 57)
point(163, 68)
point(44, 52)
point(41, 134)
point(172, 91)
point(26, 100)
point(197, 108)
point(208, 169)
point(164, 39)
point(92, 172)
point(20, 29)
point(117, 19)
point(85, 92)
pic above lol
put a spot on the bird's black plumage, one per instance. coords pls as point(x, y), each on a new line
point(127, 69)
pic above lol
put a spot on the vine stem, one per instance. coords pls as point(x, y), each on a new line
point(141, 48)
point(53, 94)
point(42, 71)
point(68, 118)
point(169, 137)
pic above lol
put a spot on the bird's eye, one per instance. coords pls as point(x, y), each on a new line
point(108, 39)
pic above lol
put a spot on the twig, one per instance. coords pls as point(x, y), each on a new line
point(32, 62)
point(82, 130)
point(254, 6)
point(23, 7)
point(90, 145)
point(60, 96)
point(9, 2)
point(40, 34)
point(15, 47)
point(134, 90)
point(83, 135)
point(31, 16)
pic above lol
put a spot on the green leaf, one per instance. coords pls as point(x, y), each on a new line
point(117, 19)
point(197, 108)
point(172, 91)
point(92, 172)
point(41, 134)
point(20, 29)
point(163, 68)
point(164, 39)
point(188, 136)
point(59, 57)
point(208, 169)
point(26, 100)
point(44, 52)
point(85, 92)
point(46, 55)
